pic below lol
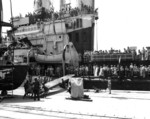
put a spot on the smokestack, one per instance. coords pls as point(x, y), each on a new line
point(86, 2)
point(39, 4)
point(62, 2)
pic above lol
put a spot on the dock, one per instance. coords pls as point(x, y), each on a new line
point(120, 104)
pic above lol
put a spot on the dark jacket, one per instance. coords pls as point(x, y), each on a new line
point(36, 85)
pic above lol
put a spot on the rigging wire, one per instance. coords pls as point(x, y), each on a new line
point(46, 40)
point(96, 36)
point(62, 33)
point(13, 46)
point(44, 35)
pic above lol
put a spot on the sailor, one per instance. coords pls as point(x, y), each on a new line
point(109, 85)
point(58, 71)
point(36, 89)
point(45, 87)
point(51, 71)
point(28, 87)
point(38, 70)
point(7, 55)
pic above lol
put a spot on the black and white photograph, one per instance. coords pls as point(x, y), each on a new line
point(74, 59)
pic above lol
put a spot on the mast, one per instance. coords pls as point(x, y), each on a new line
point(12, 40)
point(1, 19)
point(93, 5)
point(11, 12)
point(93, 28)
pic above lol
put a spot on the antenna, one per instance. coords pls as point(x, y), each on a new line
point(1, 19)
point(11, 12)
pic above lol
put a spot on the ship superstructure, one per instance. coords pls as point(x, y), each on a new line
point(50, 31)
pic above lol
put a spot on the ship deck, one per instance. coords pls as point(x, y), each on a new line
point(120, 104)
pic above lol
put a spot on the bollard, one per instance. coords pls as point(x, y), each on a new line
point(109, 85)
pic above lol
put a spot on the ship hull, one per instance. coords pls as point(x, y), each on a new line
point(14, 76)
point(100, 84)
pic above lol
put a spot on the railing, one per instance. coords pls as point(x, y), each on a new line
point(111, 57)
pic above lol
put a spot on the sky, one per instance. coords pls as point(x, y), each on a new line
point(121, 23)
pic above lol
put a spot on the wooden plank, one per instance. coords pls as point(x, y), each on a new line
point(58, 81)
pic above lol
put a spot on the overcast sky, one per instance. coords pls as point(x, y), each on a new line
point(121, 23)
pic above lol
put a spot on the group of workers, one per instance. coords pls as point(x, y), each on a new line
point(35, 87)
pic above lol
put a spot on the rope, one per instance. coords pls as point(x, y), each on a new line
point(63, 34)
point(96, 36)
point(45, 39)
point(70, 54)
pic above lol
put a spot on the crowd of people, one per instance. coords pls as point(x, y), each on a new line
point(132, 71)
point(43, 70)
point(67, 11)
point(39, 75)
point(143, 54)
point(46, 73)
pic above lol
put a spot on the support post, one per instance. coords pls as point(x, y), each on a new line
point(109, 85)
point(63, 65)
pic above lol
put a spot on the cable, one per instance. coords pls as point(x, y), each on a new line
point(96, 36)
